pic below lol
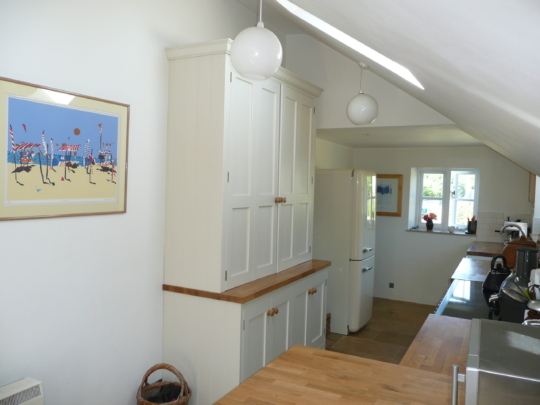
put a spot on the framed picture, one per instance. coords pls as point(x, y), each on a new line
point(389, 194)
point(64, 154)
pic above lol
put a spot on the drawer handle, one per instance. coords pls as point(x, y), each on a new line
point(368, 268)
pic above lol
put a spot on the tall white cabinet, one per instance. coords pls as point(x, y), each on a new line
point(240, 174)
point(240, 169)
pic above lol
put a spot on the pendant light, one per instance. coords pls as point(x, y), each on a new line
point(362, 109)
point(256, 52)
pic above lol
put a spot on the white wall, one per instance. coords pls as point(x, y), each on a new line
point(330, 155)
point(340, 78)
point(420, 264)
point(80, 298)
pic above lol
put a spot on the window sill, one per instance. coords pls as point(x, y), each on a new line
point(438, 232)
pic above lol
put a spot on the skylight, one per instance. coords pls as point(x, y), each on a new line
point(351, 42)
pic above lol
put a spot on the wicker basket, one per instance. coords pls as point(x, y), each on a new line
point(145, 388)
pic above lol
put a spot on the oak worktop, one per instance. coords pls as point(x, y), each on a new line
point(304, 375)
point(489, 249)
point(254, 289)
point(441, 342)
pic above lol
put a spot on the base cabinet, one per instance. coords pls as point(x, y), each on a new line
point(218, 344)
point(293, 316)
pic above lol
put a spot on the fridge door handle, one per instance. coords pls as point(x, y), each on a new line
point(367, 268)
point(365, 250)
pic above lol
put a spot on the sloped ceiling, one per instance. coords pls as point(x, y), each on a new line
point(477, 60)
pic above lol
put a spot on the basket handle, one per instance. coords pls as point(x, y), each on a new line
point(163, 366)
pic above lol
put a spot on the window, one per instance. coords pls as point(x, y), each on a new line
point(451, 194)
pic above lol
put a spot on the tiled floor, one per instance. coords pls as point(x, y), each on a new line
point(388, 334)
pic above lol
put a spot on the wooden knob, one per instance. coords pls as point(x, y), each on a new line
point(279, 200)
point(314, 291)
point(284, 199)
point(310, 291)
point(270, 312)
point(276, 311)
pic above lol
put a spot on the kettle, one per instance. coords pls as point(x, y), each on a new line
point(491, 285)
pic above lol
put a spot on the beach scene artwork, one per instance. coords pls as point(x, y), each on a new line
point(60, 154)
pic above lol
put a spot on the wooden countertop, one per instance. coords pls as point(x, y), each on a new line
point(472, 269)
point(304, 375)
point(257, 288)
point(485, 249)
point(441, 342)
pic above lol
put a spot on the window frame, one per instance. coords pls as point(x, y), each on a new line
point(448, 203)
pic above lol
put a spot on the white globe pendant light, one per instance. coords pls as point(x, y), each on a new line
point(256, 52)
point(362, 109)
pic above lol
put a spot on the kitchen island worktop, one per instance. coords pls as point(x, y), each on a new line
point(304, 375)
point(442, 342)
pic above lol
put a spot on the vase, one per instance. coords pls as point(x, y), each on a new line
point(429, 224)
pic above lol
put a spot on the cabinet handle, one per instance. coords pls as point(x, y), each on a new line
point(278, 200)
point(284, 200)
point(314, 291)
point(310, 291)
point(272, 312)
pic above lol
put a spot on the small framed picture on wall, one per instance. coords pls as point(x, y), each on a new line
point(389, 194)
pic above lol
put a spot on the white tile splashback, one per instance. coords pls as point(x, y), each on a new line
point(489, 222)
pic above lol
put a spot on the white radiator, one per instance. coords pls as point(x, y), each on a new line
point(23, 392)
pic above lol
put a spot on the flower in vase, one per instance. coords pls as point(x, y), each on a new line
point(431, 216)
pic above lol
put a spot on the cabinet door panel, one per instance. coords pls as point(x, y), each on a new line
point(240, 227)
point(265, 254)
point(316, 319)
point(302, 229)
point(299, 314)
point(285, 235)
point(241, 136)
point(289, 112)
point(303, 145)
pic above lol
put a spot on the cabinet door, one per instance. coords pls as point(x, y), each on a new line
point(295, 178)
point(252, 180)
point(254, 337)
point(240, 205)
point(316, 311)
point(299, 302)
point(266, 177)
point(266, 332)
point(279, 337)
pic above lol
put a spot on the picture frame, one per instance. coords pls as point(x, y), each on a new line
point(389, 194)
point(65, 154)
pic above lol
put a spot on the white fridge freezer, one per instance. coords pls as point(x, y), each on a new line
point(344, 233)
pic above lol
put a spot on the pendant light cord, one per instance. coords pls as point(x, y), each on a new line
point(361, 71)
point(260, 10)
